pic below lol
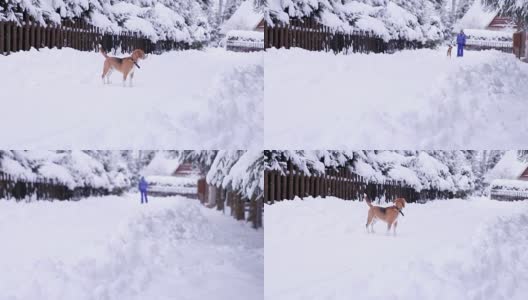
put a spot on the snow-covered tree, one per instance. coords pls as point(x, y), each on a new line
point(417, 20)
point(462, 8)
point(455, 171)
point(181, 20)
point(515, 8)
point(239, 170)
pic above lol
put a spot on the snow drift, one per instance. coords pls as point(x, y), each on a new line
point(116, 248)
point(452, 249)
point(408, 100)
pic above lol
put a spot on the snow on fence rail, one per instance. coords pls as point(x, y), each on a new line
point(240, 208)
point(509, 190)
point(505, 46)
point(186, 186)
point(77, 35)
point(43, 189)
point(310, 35)
point(340, 183)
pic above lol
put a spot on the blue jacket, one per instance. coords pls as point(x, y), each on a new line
point(143, 185)
point(461, 39)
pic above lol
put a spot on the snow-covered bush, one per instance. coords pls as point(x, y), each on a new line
point(181, 20)
point(453, 171)
point(97, 169)
point(416, 20)
point(240, 170)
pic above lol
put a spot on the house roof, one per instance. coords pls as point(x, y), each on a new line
point(508, 167)
point(246, 17)
point(477, 17)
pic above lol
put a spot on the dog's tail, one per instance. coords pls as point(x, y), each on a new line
point(369, 203)
point(102, 51)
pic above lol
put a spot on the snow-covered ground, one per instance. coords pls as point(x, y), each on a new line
point(408, 100)
point(189, 99)
point(116, 248)
point(453, 249)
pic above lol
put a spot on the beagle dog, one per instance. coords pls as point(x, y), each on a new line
point(449, 50)
point(387, 214)
point(124, 65)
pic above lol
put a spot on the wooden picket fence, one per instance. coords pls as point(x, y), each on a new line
point(78, 35)
point(340, 183)
point(43, 189)
point(242, 208)
point(308, 34)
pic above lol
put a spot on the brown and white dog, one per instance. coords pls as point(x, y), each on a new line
point(449, 50)
point(124, 65)
point(387, 214)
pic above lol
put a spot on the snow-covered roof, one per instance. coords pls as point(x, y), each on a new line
point(246, 17)
point(508, 167)
point(477, 17)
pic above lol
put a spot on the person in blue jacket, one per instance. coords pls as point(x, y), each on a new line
point(143, 186)
point(461, 42)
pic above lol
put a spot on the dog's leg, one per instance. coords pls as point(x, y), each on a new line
point(125, 75)
point(388, 228)
point(395, 224)
point(131, 77)
point(108, 74)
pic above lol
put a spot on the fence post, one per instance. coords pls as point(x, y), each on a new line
point(271, 197)
point(26, 35)
point(278, 183)
point(2, 38)
point(284, 187)
point(290, 179)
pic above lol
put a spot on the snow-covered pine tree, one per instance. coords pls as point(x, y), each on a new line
point(463, 7)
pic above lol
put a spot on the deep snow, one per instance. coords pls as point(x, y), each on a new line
point(116, 248)
point(452, 249)
point(408, 100)
point(189, 99)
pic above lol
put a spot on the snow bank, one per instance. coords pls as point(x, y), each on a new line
point(172, 93)
point(408, 100)
point(235, 114)
point(172, 248)
point(452, 249)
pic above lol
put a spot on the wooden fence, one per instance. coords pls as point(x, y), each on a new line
point(310, 35)
point(250, 210)
point(77, 35)
point(43, 189)
point(341, 183)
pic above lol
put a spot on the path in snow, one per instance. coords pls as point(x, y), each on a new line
point(116, 248)
point(407, 100)
point(453, 249)
point(192, 99)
